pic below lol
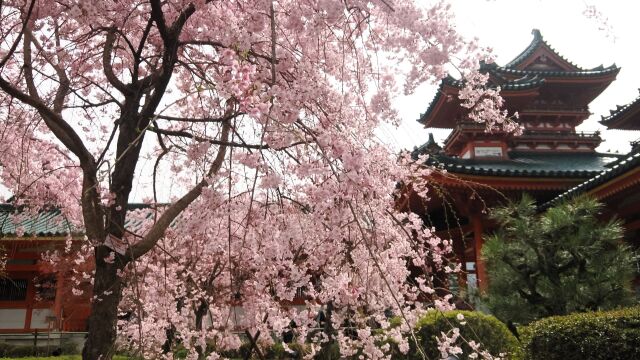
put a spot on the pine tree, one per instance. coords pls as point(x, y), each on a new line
point(561, 261)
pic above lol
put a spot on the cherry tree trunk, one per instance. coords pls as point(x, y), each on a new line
point(107, 292)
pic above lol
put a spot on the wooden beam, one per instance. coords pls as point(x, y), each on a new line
point(481, 270)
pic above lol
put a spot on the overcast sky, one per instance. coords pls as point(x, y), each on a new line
point(505, 25)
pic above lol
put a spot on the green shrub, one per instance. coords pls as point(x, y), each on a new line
point(277, 351)
point(329, 352)
point(607, 335)
point(489, 332)
point(562, 261)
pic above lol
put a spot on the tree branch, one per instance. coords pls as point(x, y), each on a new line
point(198, 120)
point(14, 46)
point(63, 80)
point(182, 133)
point(167, 217)
point(221, 45)
point(185, 134)
point(158, 18)
point(138, 53)
point(58, 126)
point(106, 64)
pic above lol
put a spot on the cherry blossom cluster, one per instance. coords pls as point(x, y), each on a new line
point(486, 106)
point(264, 111)
point(449, 344)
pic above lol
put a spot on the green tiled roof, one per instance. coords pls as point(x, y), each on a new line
point(613, 170)
point(51, 222)
point(44, 223)
point(619, 112)
point(528, 164)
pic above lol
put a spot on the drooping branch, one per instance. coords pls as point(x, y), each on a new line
point(272, 23)
point(186, 134)
point(198, 120)
point(217, 44)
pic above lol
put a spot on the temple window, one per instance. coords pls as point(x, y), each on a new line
point(13, 289)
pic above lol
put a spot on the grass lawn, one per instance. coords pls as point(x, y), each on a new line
point(61, 357)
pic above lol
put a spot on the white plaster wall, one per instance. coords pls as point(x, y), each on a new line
point(39, 318)
point(12, 318)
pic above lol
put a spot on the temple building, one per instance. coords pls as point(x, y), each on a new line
point(35, 297)
point(483, 169)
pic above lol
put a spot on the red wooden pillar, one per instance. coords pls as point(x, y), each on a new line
point(57, 305)
point(30, 300)
point(459, 249)
point(481, 271)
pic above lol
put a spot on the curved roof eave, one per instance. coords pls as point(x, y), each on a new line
point(617, 168)
point(537, 41)
point(619, 112)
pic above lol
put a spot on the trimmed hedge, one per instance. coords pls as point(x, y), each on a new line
point(486, 330)
point(275, 352)
point(603, 335)
point(19, 351)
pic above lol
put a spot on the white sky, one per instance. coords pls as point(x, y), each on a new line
point(505, 25)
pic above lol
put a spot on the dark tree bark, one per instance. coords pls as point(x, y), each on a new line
point(102, 322)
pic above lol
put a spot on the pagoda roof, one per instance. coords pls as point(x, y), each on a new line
point(431, 146)
point(626, 117)
point(527, 164)
point(555, 64)
point(450, 86)
point(44, 223)
point(524, 75)
point(613, 170)
point(537, 43)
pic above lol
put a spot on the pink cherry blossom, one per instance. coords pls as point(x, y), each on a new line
point(248, 127)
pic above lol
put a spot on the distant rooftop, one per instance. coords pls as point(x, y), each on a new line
point(624, 117)
point(613, 170)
